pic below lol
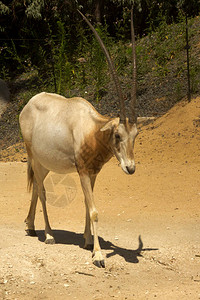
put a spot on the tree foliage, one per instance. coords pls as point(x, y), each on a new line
point(42, 33)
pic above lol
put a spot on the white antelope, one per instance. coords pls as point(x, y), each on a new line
point(65, 135)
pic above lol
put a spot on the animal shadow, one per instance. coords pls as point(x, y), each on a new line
point(72, 238)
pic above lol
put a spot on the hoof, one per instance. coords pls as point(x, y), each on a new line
point(50, 241)
point(31, 232)
point(99, 263)
point(98, 260)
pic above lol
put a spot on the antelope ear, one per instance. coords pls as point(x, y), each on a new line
point(110, 125)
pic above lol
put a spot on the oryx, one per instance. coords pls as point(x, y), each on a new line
point(65, 135)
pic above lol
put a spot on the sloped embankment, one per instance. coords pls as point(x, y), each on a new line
point(174, 136)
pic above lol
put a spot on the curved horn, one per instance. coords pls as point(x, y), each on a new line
point(112, 70)
point(133, 117)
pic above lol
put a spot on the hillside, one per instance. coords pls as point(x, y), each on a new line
point(174, 136)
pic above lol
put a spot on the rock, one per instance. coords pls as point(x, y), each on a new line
point(4, 92)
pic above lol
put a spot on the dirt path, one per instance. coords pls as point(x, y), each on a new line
point(149, 225)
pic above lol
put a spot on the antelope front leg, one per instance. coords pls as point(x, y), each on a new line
point(87, 185)
point(87, 233)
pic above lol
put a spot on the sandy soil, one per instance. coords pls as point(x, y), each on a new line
point(149, 224)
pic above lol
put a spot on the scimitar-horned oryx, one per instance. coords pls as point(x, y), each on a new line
point(65, 135)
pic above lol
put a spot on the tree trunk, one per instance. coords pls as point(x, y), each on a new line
point(99, 4)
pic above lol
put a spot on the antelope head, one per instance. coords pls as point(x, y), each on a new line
point(123, 130)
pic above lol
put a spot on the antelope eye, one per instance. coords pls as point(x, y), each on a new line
point(117, 137)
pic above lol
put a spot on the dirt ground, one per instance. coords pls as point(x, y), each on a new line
point(149, 223)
